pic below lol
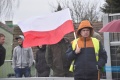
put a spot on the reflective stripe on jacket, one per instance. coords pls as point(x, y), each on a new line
point(96, 47)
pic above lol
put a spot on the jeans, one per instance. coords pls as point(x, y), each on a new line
point(19, 72)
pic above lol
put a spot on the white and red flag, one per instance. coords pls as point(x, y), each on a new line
point(49, 29)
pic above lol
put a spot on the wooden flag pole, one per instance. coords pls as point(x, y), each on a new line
point(75, 35)
point(75, 38)
point(98, 74)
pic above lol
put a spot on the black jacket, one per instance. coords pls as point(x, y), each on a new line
point(2, 55)
point(41, 65)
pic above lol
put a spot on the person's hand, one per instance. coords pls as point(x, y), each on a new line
point(77, 50)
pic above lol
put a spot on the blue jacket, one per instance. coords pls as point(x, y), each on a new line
point(85, 62)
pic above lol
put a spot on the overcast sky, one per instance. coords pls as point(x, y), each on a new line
point(30, 8)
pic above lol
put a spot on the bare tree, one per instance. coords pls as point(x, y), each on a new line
point(7, 8)
point(91, 12)
point(80, 10)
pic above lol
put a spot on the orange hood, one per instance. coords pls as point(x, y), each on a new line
point(85, 24)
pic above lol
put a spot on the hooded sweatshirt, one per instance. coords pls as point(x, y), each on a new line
point(85, 61)
point(22, 57)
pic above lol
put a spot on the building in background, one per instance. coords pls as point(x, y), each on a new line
point(7, 30)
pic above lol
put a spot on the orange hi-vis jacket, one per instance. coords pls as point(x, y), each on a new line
point(96, 47)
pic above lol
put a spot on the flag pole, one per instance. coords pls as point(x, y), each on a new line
point(75, 35)
point(98, 74)
point(75, 38)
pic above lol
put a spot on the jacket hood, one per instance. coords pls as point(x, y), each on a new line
point(85, 24)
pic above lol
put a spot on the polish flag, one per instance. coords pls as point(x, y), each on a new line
point(48, 29)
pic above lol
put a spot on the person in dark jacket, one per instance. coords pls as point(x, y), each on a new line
point(43, 69)
point(2, 49)
point(97, 35)
point(56, 58)
point(86, 65)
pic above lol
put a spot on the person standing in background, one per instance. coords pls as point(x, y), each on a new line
point(97, 35)
point(2, 49)
point(22, 59)
point(57, 60)
point(41, 66)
